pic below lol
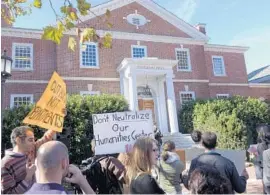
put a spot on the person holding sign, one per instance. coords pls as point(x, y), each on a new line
point(213, 159)
point(17, 168)
point(143, 157)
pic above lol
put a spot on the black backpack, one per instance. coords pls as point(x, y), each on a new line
point(101, 180)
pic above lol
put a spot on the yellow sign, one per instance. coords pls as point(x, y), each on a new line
point(48, 112)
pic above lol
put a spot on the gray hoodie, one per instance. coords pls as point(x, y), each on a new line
point(169, 174)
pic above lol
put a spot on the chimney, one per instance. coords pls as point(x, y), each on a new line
point(5, 11)
point(201, 27)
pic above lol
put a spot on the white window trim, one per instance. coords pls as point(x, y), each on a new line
point(189, 61)
point(97, 56)
point(223, 66)
point(89, 93)
point(139, 46)
point(13, 56)
point(187, 92)
point(222, 95)
point(12, 96)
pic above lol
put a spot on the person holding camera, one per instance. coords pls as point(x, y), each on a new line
point(52, 166)
point(109, 171)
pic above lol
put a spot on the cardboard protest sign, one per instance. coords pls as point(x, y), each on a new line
point(238, 157)
point(113, 131)
point(48, 111)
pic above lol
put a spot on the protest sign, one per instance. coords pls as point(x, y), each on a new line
point(238, 157)
point(113, 131)
point(48, 111)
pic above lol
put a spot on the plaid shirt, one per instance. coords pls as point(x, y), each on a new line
point(13, 168)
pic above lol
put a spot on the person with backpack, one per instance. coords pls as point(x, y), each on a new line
point(104, 173)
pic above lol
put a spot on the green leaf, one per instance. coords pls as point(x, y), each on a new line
point(64, 9)
point(108, 13)
point(72, 43)
point(37, 3)
point(83, 7)
point(69, 25)
point(52, 33)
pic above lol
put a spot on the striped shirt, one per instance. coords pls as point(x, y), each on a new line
point(13, 168)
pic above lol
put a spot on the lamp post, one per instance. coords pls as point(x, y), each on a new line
point(6, 63)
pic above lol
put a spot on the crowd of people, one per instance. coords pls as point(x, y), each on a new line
point(149, 167)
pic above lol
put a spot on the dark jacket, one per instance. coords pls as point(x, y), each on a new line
point(224, 165)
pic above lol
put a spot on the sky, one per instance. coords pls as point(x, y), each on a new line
point(228, 22)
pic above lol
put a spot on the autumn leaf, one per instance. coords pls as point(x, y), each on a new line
point(73, 16)
point(37, 3)
point(87, 35)
point(109, 25)
point(64, 9)
point(53, 34)
point(69, 25)
point(72, 43)
point(20, 1)
point(107, 40)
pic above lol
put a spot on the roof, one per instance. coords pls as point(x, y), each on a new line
point(151, 6)
point(261, 75)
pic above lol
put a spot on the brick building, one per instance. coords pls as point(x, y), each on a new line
point(152, 51)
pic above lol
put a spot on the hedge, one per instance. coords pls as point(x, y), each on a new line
point(78, 128)
point(234, 119)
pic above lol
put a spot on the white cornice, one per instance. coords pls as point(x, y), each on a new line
point(27, 81)
point(229, 84)
point(36, 34)
point(260, 85)
point(90, 79)
point(190, 81)
point(225, 48)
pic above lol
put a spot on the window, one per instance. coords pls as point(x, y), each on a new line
point(139, 51)
point(89, 55)
point(136, 21)
point(222, 96)
point(218, 66)
point(17, 100)
point(183, 57)
point(22, 54)
point(186, 96)
point(84, 93)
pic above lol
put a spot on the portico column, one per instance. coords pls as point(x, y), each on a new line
point(133, 99)
point(122, 83)
point(171, 104)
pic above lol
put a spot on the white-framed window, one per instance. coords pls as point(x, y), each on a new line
point(183, 57)
point(17, 100)
point(89, 55)
point(84, 93)
point(186, 96)
point(22, 55)
point(222, 96)
point(136, 21)
point(218, 66)
point(138, 51)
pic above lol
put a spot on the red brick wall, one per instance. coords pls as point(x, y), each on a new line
point(231, 90)
point(259, 92)
point(73, 87)
point(157, 26)
point(68, 62)
point(44, 62)
point(235, 67)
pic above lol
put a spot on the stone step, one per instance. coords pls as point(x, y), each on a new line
point(180, 140)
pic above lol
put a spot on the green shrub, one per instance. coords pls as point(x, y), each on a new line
point(78, 121)
point(234, 119)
